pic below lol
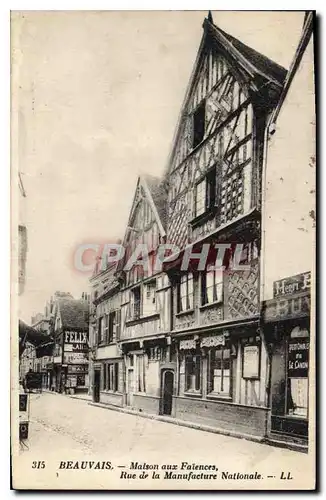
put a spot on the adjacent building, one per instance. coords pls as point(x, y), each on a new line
point(289, 245)
point(70, 327)
point(106, 363)
point(145, 299)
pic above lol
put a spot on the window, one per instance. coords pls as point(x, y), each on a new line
point(112, 327)
point(111, 377)
point(212, 286)
point(198, 125)
point(200, 197)
point(205, 193)
point(149, 298)
point(141, 373)
point(219, 372)
point(297, 400)
point(185, 293)
point(135, 303)
point(100, 330)
point(193, 374)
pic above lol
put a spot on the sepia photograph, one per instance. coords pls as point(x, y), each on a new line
point(163, 250)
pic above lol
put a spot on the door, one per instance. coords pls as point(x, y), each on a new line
point(96, 387)
point(130, 386)
point(167, 392)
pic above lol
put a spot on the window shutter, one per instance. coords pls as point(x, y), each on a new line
point(118, 324)
point(106, 329)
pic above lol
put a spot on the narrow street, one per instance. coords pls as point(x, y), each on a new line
point(66, 429)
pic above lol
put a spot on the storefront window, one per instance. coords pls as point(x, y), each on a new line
point(219, 372)
point(298, 397)
point(298, 363)
point(193, 373)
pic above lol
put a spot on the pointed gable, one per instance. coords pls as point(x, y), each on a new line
point(149, 206)
point(220, 129)
point(225, 70)
point(74, 313)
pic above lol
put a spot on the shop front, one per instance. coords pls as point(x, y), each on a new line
point(221, 379)
point(74, 371)
point(287, 330)
point(76, 378)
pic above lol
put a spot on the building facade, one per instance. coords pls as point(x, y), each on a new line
point(70, 327)
point(42, 323)
point(145, 299)
point(106, 363)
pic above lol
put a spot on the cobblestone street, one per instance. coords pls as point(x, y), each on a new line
point(64, 428)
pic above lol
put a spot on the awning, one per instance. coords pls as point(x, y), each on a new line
point(29, 334)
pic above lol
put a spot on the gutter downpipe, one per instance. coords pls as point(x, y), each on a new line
point(269, 130)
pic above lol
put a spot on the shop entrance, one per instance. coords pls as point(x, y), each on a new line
point(167, 385)
point(290, 370)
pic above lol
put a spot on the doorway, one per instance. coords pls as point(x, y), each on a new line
point(167, 392)
point(96, 387)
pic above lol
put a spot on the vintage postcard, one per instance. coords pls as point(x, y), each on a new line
point(163, 271)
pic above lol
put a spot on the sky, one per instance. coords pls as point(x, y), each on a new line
point(99, 94)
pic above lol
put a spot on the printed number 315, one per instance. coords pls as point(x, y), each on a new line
point(38, 465)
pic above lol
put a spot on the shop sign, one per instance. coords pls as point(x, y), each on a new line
point(213, 341)
point(292, 285)
point(76, 341)
point(76, 348)
point(250, 367)
point(77, 368)
point(76, 357)
point(187, 344)
point(287, 308)
point(298, 359)
point(75, 337)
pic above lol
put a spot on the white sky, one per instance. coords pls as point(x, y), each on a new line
point(100, 96)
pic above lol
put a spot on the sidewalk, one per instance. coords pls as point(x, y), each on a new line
point(82, 396)
point(192, 425)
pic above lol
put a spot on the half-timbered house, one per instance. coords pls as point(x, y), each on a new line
point(145, 298)
point(213, 178)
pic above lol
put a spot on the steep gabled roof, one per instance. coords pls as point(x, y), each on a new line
point(260, 71)
point(74, 313)
point(262, 64)
point(159, 196)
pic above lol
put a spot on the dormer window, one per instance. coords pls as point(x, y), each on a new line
point(198, 124)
